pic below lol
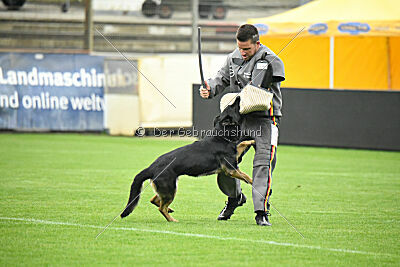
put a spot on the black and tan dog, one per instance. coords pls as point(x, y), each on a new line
point(213, 154)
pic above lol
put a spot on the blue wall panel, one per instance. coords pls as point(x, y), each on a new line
point(59, 92)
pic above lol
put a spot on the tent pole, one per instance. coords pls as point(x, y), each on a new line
point(331, 61)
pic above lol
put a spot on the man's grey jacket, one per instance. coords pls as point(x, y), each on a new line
point(236, 73)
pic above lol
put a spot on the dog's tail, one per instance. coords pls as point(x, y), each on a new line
point(136, 188)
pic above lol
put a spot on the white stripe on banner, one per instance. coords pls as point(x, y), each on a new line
point(36, 221)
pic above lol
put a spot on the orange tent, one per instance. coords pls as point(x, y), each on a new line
point(346, 44)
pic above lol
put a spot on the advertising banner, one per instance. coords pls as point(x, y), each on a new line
point(121, 76)
point(57, 92)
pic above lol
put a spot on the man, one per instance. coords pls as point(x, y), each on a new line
point(249, 62)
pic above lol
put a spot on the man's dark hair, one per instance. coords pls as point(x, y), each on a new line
point(247, 32)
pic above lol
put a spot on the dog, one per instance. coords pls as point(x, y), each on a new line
point(212, 154)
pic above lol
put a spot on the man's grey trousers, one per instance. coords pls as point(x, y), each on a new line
point(264, 131)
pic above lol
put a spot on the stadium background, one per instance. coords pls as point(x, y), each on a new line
point(164, 49)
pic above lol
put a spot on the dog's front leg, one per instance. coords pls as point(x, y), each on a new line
point(237, 174)
point(242, 147)
point(241, 175)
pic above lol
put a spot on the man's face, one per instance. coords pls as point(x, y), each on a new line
point(247, 49)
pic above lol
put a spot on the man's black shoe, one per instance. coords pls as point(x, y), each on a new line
point(230, 207)
point(262, 218)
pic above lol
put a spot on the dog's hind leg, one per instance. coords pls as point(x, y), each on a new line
point(155, 200)
point(165, 201)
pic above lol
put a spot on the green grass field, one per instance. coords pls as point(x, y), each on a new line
point(58, 191)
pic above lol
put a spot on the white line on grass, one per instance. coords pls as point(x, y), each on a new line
point(351, 174)
point(36, 221)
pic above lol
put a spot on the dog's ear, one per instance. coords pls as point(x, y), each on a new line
point(236, 104)
point(236, 111)
point(237, 101)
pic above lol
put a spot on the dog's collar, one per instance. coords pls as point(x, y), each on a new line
point(227, 139)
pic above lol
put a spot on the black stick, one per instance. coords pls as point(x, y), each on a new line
point(203, 83)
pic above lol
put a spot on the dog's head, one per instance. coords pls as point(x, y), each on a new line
point(229, 120)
